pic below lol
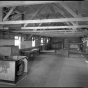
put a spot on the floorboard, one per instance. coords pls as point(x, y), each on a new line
point(56, 70)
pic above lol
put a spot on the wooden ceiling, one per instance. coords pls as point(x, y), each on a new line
point(36, 17)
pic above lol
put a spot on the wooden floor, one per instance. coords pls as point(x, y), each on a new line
point(56, 70)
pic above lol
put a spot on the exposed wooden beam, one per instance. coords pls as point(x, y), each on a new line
point(55, 27)
point(59, 10)
point(35, 14)
point(59, 31)
point(8, 14)
point(51, 8)
point(31, 8)
point(58, 34)
point(30, 36)
point(22, 3)
point(1, 14)
point(68, 9)
point(42, 23)
point(18, 12)
point(16, 17)
point(70, 22)
point(53, 34)
point(45, 20)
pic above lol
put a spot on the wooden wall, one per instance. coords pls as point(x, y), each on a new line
point(64, 42)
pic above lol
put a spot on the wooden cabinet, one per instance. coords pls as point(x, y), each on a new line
point(13, 71)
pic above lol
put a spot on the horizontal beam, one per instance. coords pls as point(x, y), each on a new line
point(57, 35)
point(54, 35)
point(53, 32)
point(45, 20)
point(22, 3)
point(47, 30)
point(55, 27)
point(61, 34)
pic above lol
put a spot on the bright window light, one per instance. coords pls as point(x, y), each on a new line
point(47, 40)
point(18, 41)
point(16, 37)
point(41, 41)
point(33, 42)
point(87, 42)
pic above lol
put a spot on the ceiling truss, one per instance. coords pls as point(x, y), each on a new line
point(59, 22)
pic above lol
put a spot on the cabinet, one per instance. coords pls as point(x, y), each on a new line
point(13, 71)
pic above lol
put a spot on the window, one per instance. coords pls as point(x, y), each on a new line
point(41, 41)
point(47, 40)
point(18, 41)
point(33, 42)
point(87, 42)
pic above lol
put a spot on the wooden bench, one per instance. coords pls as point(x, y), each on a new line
point(76, 52)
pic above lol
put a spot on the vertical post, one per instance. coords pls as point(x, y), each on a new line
point(68, 49)
point(8, 35)
point(1, 14)
point(22, 17)
point(63, 44)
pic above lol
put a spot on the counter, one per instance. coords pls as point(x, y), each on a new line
point(13, 70)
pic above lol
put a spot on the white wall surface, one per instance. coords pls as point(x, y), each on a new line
point(26, 44)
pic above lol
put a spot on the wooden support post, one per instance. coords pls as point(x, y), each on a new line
point(1, 14)
point(8, 35)
point(3, 35)
point(68, 49)
point(22, 17)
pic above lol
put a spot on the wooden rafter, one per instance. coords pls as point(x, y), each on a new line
point(59, 10)
point(67, 8)
point(1, 14)
point(21, 3)
point(55, 27)
point(53, 34)
point(51, 31)
point(42, 23)
point(8, 14)
point(45, 20)
point(30, 36)
point(51, 8)
point(31, 8)
point(35, 14)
